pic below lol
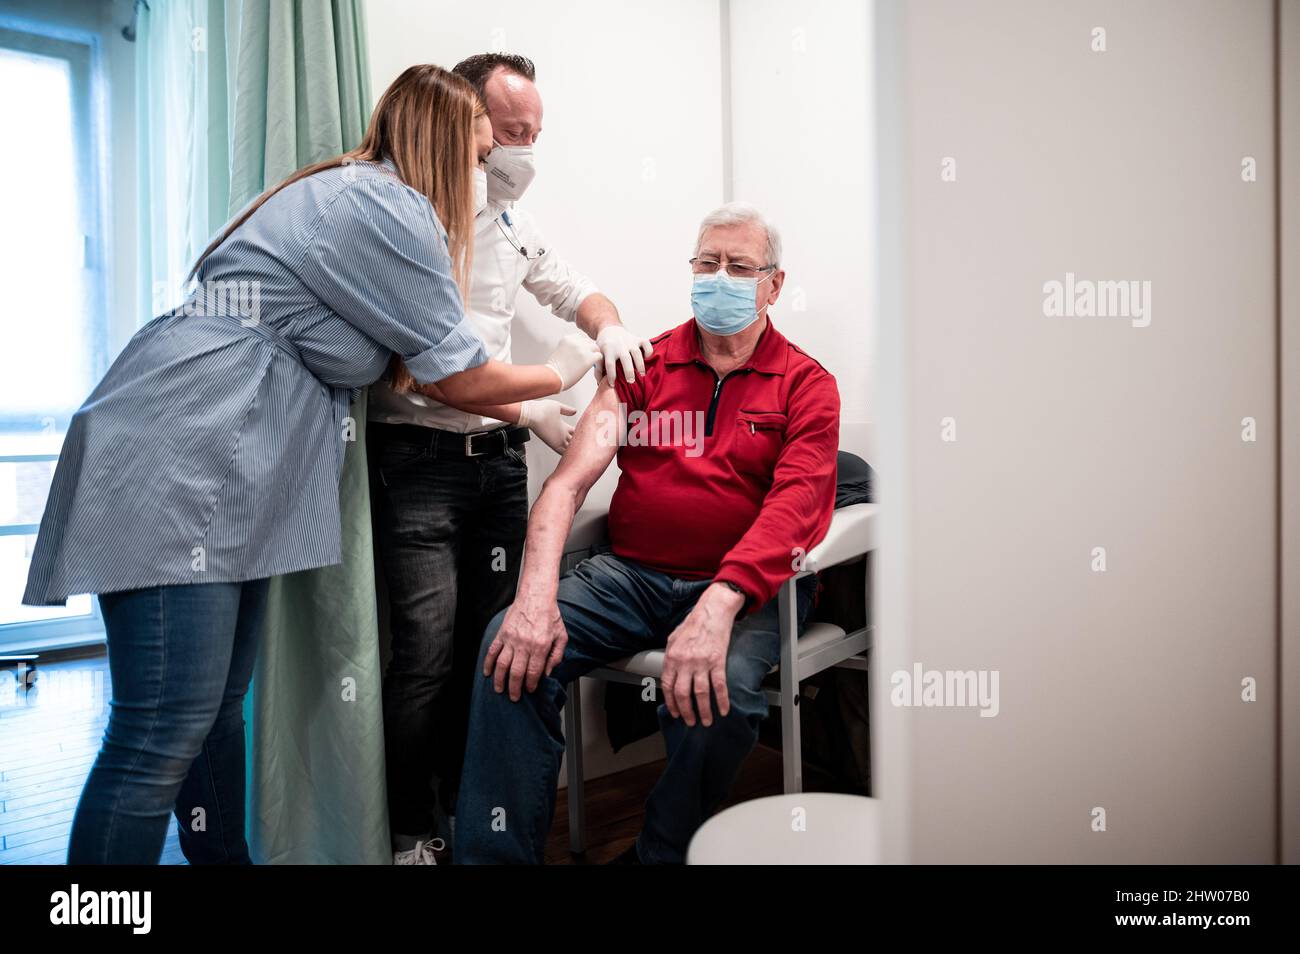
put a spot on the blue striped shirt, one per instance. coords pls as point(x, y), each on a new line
point(211, 450)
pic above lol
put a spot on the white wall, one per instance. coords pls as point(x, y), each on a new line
point(1119, 690)
point(802, 135)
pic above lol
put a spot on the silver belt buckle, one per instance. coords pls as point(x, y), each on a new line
point(469, 438)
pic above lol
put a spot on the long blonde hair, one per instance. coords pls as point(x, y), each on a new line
point(424, 122)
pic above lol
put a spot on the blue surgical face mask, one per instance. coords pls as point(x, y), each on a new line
point(724, 305)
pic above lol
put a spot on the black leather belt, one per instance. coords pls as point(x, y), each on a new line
point(491, 443)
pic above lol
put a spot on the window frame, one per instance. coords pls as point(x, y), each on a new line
point(81, 50)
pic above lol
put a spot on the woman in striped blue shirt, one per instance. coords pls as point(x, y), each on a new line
point(208, 458)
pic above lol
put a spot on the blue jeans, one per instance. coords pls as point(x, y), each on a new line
point(611, 608)
point(180, 659)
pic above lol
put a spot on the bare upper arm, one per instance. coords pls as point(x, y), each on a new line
point(595, 442)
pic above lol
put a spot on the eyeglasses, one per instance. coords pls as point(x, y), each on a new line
point(710, 266)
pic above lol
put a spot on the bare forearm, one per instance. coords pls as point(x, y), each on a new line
point(720, 602)
point(500, 412)
point(496, 380)
point(549, 524)
point(596, 312)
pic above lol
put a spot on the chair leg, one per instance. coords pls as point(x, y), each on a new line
point(791, 753)
point(573, 761)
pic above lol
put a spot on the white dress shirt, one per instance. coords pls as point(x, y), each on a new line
point(500, 269)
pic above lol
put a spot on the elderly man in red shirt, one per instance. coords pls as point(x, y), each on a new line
point(727, 451)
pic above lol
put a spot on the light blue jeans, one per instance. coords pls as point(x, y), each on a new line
point(611, 608)
point(180, 659)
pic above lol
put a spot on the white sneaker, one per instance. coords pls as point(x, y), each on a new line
point(421, 854)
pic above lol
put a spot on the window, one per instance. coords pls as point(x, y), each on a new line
point(52, 271)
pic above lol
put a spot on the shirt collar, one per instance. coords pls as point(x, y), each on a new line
point(770, 356)
point(493, 210)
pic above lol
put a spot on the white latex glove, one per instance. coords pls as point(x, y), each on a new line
point(574, 356)
point(545, 418)
point(618, 346)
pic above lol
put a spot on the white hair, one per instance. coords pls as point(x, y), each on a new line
point(742, 213)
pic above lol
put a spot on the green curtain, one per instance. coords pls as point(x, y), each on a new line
point(302, 88)
point(316, 732)
point(233, 98)
point(182, 143)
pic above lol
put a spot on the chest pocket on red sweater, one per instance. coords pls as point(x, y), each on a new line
point(759, 438)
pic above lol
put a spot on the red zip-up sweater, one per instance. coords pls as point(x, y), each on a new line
point(739, 483)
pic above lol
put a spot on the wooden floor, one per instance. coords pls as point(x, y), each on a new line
point(50, 735)
point(48, 739)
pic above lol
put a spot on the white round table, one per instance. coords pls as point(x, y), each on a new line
point(810, 828)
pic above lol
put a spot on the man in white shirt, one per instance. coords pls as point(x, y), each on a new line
point(510, 253)
point(451, 483)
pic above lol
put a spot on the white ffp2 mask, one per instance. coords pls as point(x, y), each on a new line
point(510, 169)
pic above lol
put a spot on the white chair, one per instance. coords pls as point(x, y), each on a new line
point(853, 533)
point(837, 830)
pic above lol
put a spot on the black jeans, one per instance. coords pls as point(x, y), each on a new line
point(451, 536)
